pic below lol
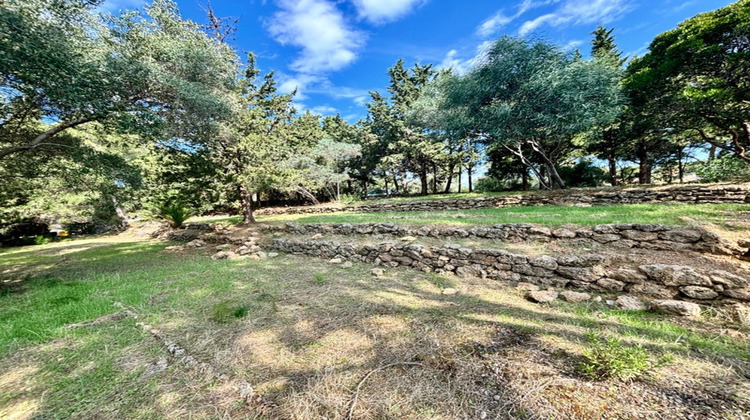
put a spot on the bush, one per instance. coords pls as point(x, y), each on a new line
point(175, 213)
point(726, 168)
point(492, 184)
point(226, 310)
point(583, 174)
point(609, 358)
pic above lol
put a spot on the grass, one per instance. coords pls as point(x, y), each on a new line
point(547, 215)
point(304, 333)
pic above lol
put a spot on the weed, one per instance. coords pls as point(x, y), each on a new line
point(224, 311)
point(319, 278)
point(609, 358)
point(41, 240)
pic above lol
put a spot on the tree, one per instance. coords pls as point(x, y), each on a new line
point(153, 74)
point(532, 98)
point(694, 78)
point(607, 142)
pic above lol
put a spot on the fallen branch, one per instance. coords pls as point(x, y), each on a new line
point(370, 373)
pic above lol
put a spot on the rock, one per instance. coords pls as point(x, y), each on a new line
point(223, 247)
point(630, 303)
point(699, 292)
point(651, 289)
point(563, 233)
point(574, 297)
point(542, 296)
point(627, 275)
point(677, 307)
point(273, 254)
point(449, 291)
point(474, 270)
point(377, 272)
point(728, 280)
point(578, 273)
point(544, 261)
point(347, 264)
point(580, 260)
point(335, 261)
point(408, 239)
point(740, 294)
point(681, 236)
point(674, 275)
point(195, 243)
point(316, 236)
point(224, 255)
point(744, 243)
point(527, 287)
point(637, 235)
point(611, 284)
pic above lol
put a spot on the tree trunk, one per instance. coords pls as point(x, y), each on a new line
point(423, 180)
point(387, 193)
point(469, 170)
point(680, 167)
point(120, 214)
point(459, 179)
point(307, 194)
point(364, 188)
point(246, 201)
point(434, 178)
point(613, 171)
point(644, 166)
point(395, 182)
point(525, 179)
point(451, 167)
point(555, 177)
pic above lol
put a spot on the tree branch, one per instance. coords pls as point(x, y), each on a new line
point(39, 140)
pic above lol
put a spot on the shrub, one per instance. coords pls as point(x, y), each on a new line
point(726, 168)
point(226, 310)
point(609, 358)
point(175, 213)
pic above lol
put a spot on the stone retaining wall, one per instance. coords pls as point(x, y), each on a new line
point(587, 272)
point(705, 194)
point(624, 235)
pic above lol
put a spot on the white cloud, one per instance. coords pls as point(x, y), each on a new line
point(300, 82)
point(319, 29)
point(571, 45)
point(324, 110)
point(491, 25)
point(381, 11)
point(576, 12)
point(452, 62)
point(361, 100)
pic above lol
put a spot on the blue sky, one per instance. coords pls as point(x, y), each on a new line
point(335, 51)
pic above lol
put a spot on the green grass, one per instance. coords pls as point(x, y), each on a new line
point(546, 215)
point(296, 316)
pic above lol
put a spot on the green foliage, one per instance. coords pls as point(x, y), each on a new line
point(319, 278)
point(607, 358)
point(722, 169)
point(492, 184)
point(41, 240)
point(583, 174)
point(227, 310)
point(175, 213)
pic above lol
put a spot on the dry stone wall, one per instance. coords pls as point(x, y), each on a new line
point(693, 194)
point(582, 272)
point(624, 235)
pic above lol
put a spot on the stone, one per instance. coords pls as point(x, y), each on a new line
point(335, 261)
point(674, 275)
point(744, 243)
point(527, 287)
point(740, 313)
point(316, 236)
point(677, 307)
point(630, 303)
point(740, 294)
point(449, 291)
point(728, 280)
point(574, 297)
point(195, 243)
point(563, 233)
point(224, 255)
point(408, 239)
point(681, 236)
point(529, 270)
point(544, 261)
point(627, 275)
point(605, 238)
point(473, 270)
point(377, 272)
point(262, 255)
point(273, 254)
point(541, 296)
point(637, 235)
point(223, 247)
point(580, 260)
point(650, 289)
point(699, 292)
point(578, 273)
point(611, 284)
point(347, 264)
